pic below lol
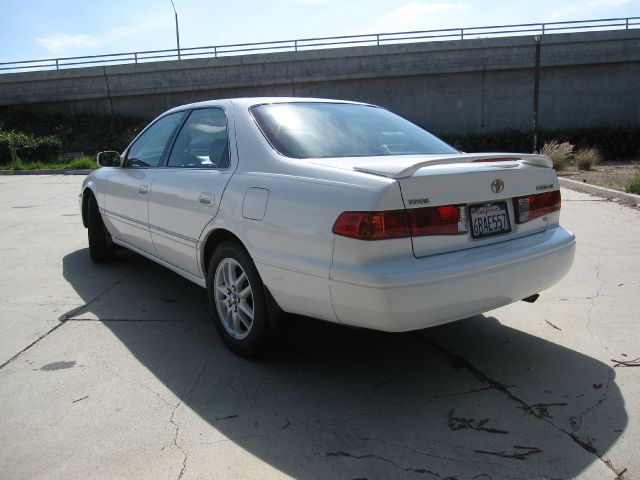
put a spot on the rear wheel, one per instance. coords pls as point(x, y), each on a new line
point(101, 248)
point(237, 301)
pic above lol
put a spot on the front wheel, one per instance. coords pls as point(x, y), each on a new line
point(237, 302)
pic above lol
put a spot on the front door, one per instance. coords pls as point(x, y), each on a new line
point(127, 189)
point(186, 193)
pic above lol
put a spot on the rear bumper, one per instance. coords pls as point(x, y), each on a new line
point(417, 293)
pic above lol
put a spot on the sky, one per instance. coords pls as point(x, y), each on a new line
point(36, 29)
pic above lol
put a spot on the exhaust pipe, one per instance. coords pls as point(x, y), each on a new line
point(532, 298)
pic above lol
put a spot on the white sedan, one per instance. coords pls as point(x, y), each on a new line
point(337, 210)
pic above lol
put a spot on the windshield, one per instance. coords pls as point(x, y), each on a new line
point(320, 130)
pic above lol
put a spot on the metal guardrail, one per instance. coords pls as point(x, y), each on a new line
point(374, 39)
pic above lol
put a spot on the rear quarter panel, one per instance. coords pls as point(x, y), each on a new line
point(292, 245)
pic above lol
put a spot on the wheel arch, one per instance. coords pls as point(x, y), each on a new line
point(213, 239)
point(87, 193)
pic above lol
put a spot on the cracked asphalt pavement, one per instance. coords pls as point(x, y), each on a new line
point(114, 371)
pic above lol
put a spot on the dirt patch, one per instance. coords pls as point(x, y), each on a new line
point(614, 175)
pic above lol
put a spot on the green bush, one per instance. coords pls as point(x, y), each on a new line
point(16, 147)
point(87, 133)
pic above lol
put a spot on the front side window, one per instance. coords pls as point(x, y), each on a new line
point(148, 148)
point(320, 130)
point(203, 141)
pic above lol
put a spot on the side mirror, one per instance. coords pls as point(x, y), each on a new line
point(109, 158)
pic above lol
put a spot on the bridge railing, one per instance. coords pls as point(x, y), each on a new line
point(374, 39)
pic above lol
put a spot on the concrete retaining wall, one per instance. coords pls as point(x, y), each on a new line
point(450, 87)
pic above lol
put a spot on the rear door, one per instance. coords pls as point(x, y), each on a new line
point(186, 193)
point(127, 188)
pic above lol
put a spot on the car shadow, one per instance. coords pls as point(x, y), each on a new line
point(471, 397)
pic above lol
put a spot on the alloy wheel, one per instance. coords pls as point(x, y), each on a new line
point(234, 298)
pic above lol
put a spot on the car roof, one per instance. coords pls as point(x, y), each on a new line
point(247, 102)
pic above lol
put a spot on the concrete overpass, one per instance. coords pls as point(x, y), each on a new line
point(475, 85)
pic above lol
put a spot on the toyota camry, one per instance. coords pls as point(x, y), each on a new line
point(337, 210)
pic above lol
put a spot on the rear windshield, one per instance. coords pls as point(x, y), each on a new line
point(320, 130)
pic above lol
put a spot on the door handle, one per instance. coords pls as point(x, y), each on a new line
point(206, 198)
point(143, 189)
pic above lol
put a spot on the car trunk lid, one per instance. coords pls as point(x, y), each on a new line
point(480, 185)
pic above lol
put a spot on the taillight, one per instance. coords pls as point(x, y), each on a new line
point(417, 222)
point(372, 225)
point(444, 220)
point(533, 206)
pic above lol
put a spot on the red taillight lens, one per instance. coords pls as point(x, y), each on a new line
point(417, 222)
point(444, 220)
point(533, 206)
point(372, 225)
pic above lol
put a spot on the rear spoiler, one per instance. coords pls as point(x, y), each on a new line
point(392, 169)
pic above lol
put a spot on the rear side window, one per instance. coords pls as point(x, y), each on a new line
point(148, 148)
point(203, 141)
point(317, 130)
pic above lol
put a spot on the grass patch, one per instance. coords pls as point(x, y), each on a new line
point(80, 163)
point(634, 186)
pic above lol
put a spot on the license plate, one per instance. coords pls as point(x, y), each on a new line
point(489, 219)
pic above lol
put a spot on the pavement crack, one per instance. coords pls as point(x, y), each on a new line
point(460, 362)
point(415, 451)
point(342, 453)
point(592, 301)
point(77, 310)
point(63, 319)
point(111, 367)
point(44, 335)
point(366, 456)
point(542, 409)
point(460, 394)
point(412, 469)
point(520, 453)
point(576, 420)
point(172, 420)
point(423, 471)
point(175, 440)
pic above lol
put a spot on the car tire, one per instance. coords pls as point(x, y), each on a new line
point(101, 247)
point(236, 299)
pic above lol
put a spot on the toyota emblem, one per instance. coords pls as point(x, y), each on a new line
point(497, 186)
